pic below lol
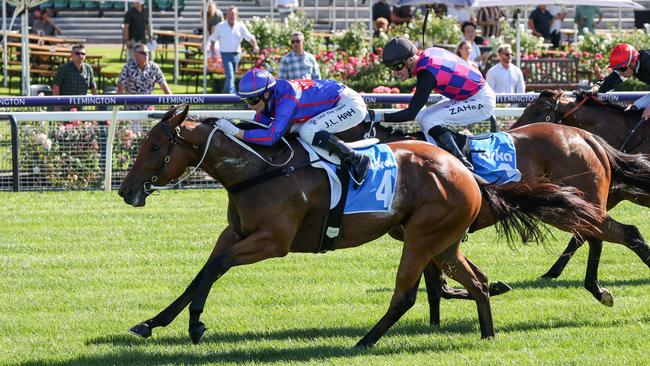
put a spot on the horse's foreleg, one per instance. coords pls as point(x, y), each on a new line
point(591, 276)
point(561, 262)
point(256, 247)
point(227, 238)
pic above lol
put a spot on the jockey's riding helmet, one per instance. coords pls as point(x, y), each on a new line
point(255, 82)
point(622, 55)
point(397, 50)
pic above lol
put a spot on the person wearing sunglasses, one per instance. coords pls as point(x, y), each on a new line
point(505, 77)
point(626, 62)
point(298, 63)
point(76, 76)
point(315, 109)
point(140, 75)
point(467, 98)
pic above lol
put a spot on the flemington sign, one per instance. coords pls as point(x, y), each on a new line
point(108, 100)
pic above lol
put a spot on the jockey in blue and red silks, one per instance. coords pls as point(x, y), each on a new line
point(316, 109)
point(468, 97)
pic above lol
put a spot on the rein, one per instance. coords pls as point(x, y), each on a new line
point(174, 137)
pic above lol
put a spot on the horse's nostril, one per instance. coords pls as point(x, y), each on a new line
point(124, 192)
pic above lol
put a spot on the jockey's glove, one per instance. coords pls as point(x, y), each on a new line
point(227, 127)
point(373, 116)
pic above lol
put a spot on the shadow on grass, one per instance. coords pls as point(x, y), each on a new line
point(542, 283)
point(129, 350)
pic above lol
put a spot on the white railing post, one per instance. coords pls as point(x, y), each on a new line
point(108, 159)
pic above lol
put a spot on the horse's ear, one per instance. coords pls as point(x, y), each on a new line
point(179, 115)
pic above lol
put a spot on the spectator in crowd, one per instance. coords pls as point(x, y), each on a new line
point(505, 77)
point(381, 9)
point(381, 26)
point(42, 24)
point(76, 76)
point(489, 19)
point(298, 64)
point(463, 13)
point(539, 22)
point(136, 28)
point(469, 34)
point(229, 34)
point(464, 51)
point(558, 13)
point(286, 8)
point(585, 15)
point(140, 75)
point(213, 16)
point(401, 14)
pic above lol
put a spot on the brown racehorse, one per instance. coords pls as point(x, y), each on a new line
point(436, 200)
point(573, 157)
point(617, 127)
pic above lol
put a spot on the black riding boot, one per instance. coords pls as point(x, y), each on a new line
point(445, 140)
point(359, 163)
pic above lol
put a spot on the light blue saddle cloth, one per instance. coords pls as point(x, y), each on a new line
point(495, 158)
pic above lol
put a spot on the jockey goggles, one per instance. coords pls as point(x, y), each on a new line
point(256, 98)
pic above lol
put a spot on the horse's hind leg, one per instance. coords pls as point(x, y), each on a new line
point(556, 269)
point(591, 276)
point(410, 270)
point(454, 264)
point(434, 281)
point(165, 317)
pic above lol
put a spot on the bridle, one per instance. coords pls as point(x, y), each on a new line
point(176, 139)
point(553, 108)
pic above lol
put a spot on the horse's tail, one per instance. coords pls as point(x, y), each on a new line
point(630, 169)
point(518, 209)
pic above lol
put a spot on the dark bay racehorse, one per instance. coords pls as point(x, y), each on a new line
point(573, 157)
point(436, 200)
point(617, 127)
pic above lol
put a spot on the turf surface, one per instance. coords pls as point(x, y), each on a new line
point(79, 268)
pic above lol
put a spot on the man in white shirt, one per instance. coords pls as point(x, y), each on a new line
point(229, 34)
point(505, 77)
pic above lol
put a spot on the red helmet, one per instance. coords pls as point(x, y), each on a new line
point(622, 55)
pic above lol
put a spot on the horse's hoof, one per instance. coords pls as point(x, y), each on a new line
point(197, 332)
point(550, 276)
point(498, 288)
point(141, 330)
point(606, 298)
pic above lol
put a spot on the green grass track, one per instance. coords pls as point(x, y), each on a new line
point(77, 269)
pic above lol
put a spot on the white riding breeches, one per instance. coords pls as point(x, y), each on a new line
point(476, 108)
point(347, 113)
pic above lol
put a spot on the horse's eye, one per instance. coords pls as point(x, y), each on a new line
point(155, 148)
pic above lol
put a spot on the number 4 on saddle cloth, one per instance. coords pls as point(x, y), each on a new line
point(376, 192)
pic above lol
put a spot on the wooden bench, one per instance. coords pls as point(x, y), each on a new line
point(550, 73)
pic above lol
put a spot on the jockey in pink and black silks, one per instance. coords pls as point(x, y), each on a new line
point(467, 96)
point(316, 109)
